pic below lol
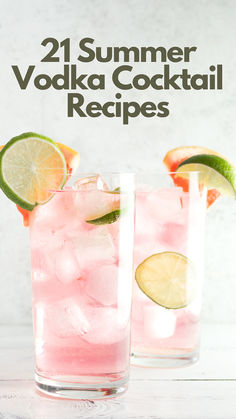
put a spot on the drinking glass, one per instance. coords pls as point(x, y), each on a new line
point(169, 218)
point(81, 257)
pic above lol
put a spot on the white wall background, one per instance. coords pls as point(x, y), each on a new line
point(201, 118)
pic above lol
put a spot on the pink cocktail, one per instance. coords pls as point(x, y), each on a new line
point(168, 220)
point(81, 253)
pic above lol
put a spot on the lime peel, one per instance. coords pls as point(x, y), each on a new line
point(214, 172)
point(109, 218)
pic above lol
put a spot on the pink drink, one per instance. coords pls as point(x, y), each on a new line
point(167, 219)
point(82, 276)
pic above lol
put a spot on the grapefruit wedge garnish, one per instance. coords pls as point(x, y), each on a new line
point(71, 157)
point(26, 215)
point(175, 157)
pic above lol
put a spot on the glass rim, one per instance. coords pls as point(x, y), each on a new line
point(137, 173)
point(125, 173)
point(126, 179)
point(147, 173)
point(101, 172)
point(136, 177)
point(133, 173)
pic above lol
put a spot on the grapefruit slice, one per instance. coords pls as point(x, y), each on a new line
point(177, 155)
point(71, 156)
point(26, 215)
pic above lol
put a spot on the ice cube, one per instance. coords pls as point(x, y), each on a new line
point(58, 212)
point(77, 319)
point(101, 284)
point(67, 267)
point(149, 244)
point(51, 227)
point(94, 246)
point(89, 183)
point(94, 204)
point(75, 316)
point(60, 261)
point(93, 198)
point(148, 228)
point(159, 322)
point(66, 318)
point(104, 326)
point(146, 247)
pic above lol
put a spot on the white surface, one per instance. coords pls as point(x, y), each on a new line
point(205, 390)
point(200, 117)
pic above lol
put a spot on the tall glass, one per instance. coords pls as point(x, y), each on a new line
point(81, 256)
point(168, 219)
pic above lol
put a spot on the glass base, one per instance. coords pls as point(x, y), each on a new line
point(164, 361)
point(81, 391)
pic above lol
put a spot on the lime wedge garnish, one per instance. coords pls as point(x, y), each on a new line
point(168, 279)
point(117, 190)
point(30, 166)
point(109, 218)
point(106, 209)
point(214, 172)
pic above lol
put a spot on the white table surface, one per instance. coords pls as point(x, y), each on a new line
point(202, 391)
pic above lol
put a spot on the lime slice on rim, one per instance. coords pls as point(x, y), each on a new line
point(30, 166)
point(168, 279)
point(214, 172)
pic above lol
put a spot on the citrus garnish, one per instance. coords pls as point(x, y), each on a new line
point(109, 218)
point(71, 156)
point(168, 279)
point(113, 216)
point(72, 162)
point(214, 172)
point(174, 157)
point(30, 166)
point(177, 155)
